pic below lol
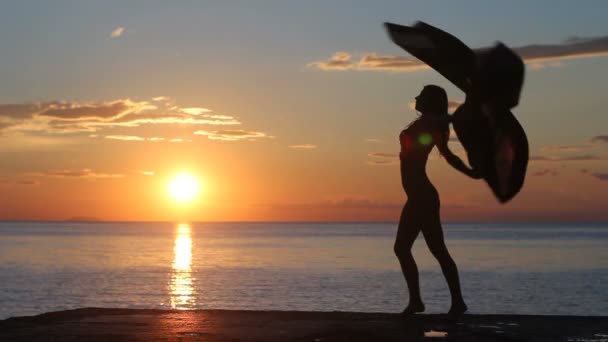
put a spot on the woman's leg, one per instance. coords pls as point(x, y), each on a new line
point(433, 235)
point(406, 235)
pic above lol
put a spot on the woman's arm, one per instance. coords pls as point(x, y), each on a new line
point(454, 160)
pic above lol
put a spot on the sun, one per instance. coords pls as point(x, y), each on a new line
point(184, 187)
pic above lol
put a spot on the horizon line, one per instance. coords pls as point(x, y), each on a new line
point(295, 221)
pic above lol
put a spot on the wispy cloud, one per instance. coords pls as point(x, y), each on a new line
point(383, 155)
point(339, 61)
point(576, 47)
point(138, 138)
point(124, 137)
point(18, 110)
point(101, 111)
point(233, 135)
point(600, 139)
point(538, 65)
point(545, 172)
point(146, 173)
point(303, 146)
point(64, 117)
point(381, 162)
point(382, 158)
point(601, 176)
point(67, 173)
point(117, 32)
point(535, 55)
point(161, 99)
point(179, 140)
point(195, 110)
point(585, 157)
point(565, 148)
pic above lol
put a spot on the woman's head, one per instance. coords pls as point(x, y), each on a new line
point(432, 100)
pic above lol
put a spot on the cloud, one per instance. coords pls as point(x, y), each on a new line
point(179, 140)
point(117, 32)
point(138, 138)
point(124, 137)
point(339, 61)
point(233, 135)
point(5, 124)
point(538, 65)
point(374, 140)
point(195, 110)
point(381, 162)
point(585, 157)
point(63, 117)
point(102, 111)
point(565, 148)
point(303, 146)
point(600, 138)
point(161, 99)
point(535, 55)
point(545, 172)
point(18, 111)
point(569, 49)
point(382, 158)
point(164, 118)
point(374, 61)
point(220, 117)
point(383, 155)
point(67, 173)
point(601, 176)
point(146, 173)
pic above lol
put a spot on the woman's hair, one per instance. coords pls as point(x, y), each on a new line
point(437, 99)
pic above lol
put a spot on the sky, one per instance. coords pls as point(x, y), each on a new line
point(282, 110)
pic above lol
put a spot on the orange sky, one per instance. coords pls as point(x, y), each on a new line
point(97, 115)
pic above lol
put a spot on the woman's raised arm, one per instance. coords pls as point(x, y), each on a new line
point(442, 144)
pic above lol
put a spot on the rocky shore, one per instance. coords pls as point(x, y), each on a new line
point(98, 324)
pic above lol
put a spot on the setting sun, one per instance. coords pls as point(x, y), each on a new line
point(184, 187)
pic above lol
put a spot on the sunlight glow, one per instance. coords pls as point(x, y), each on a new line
point(181, 286)
point(184, 187)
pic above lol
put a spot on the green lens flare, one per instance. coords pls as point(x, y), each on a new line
point(425, 139)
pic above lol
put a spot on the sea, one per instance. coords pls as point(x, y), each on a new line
point(548, 269)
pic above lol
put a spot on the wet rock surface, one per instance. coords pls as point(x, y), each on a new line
point(96, 324)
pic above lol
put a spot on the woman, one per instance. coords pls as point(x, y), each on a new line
point(421, 211)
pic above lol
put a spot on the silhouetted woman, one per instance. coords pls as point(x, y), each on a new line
point(421, 211)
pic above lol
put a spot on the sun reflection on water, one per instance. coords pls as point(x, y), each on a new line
point(181, 286)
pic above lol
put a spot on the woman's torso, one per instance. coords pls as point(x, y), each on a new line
point(417, 141)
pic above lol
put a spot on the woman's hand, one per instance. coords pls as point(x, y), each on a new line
point(474, 173)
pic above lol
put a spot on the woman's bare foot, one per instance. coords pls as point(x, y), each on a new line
point(413, 308)
point(458, 308)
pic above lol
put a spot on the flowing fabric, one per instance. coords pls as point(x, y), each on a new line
point(492, 79)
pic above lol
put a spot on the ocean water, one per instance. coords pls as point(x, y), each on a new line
point(504, 268)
